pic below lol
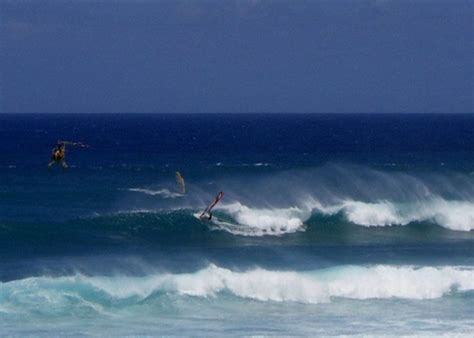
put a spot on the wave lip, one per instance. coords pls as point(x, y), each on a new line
point(85, 295)
point(376, 282)
point(453, 215)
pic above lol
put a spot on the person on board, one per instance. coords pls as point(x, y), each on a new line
point(59, 153)
point(207, 213)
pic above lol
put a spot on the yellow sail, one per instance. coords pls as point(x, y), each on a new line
point(180, 182)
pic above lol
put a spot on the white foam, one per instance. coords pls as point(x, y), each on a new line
point(165, 193)
point(380, 281)
point(259, 222)
point(320, 286)
point(454, 215)
point(372, 214)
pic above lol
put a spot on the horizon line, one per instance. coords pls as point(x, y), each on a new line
point(236, 113)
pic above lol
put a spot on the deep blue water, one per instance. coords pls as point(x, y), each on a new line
point(322, 214)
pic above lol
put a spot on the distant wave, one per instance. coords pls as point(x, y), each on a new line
point(261, 164)
point(256, 164)
point(79, 293)
point(165, 193)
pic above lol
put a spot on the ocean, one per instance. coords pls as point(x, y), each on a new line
point(331, 225)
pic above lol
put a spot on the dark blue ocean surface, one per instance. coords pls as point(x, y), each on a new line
point(322, 214)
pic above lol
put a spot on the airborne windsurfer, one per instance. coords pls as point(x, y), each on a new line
point(59, 153)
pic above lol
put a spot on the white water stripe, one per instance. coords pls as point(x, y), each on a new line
point(352, 282)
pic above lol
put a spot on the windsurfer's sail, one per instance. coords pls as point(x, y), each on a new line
point(180, 182)
point(207, 213)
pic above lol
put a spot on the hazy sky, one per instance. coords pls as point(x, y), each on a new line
point(237, 56)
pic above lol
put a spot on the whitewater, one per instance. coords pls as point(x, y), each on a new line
point(164, 295)
point(310, 287)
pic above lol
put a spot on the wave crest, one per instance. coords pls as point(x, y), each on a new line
point(84, 293)
point(259, 222)
point(453, 215)
point(246, 221)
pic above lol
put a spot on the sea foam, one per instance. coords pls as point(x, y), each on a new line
point(453, 215)
point(313, 287)
point(165, 193)
point(261, 221)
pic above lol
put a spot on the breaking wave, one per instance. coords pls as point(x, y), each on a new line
point(259, 222)
point(453, 215)
point(66, 295)
point(283, 202)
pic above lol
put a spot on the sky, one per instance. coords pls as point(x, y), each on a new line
point(237, 56)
